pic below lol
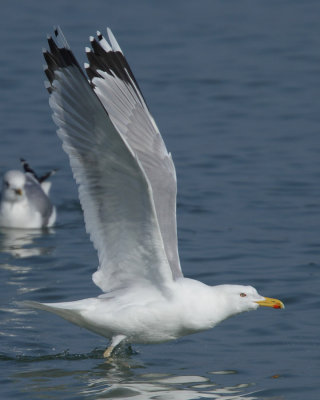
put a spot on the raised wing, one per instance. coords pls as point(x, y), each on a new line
point(114, 190)
point(118, 90)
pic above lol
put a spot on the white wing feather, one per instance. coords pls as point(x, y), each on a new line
point(119, 93)
point(114, 191)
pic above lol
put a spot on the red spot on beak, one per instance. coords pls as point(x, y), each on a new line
point(276, 306)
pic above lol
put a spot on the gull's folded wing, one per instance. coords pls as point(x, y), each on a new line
point(114, 190)
point(38, 198)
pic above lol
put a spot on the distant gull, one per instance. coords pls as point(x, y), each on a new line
point(127, 189)
point(25, 199)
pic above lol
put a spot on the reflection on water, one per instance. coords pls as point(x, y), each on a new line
point(21, 243)
point(155, 386)
point(119, 380)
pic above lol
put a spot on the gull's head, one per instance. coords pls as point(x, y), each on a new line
point(13, 186)
point(238, 298)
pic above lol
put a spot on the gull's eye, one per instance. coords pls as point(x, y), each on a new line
point(7, 184)
point(243, 295)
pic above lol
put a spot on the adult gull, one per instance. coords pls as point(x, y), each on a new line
point(127, 188)
point(24, 201)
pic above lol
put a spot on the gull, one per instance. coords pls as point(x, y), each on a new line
point(127, 188)
point(25, 199)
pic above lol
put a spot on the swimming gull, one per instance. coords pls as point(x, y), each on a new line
point(127, 189)
point(25, 199)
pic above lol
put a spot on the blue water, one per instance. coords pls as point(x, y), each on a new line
point(234, 87)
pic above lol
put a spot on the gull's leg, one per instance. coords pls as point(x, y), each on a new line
point(114, 343)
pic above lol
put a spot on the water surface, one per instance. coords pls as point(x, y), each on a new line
point(234, 88)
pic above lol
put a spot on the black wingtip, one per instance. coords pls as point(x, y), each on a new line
point(47, 175)
point(59, 55)
point(28, 169)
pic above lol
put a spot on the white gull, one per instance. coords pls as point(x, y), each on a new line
point(25, 202)
point(127, 189)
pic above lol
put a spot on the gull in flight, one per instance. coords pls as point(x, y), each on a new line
point(25, 199)
point(127, 189)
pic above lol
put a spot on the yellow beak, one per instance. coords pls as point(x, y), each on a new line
point(268, 302)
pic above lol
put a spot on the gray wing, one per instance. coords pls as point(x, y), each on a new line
point(114, 190)
point(118, 91)
point(38, 199)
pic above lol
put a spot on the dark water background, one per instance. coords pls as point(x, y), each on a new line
point(234, 87)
